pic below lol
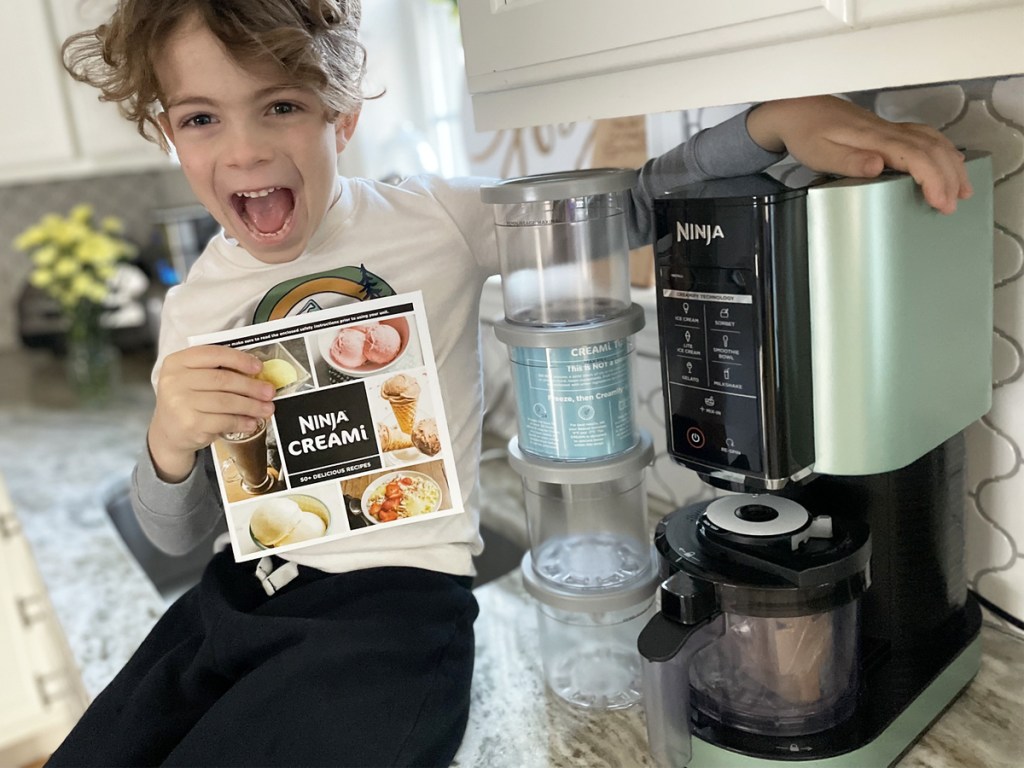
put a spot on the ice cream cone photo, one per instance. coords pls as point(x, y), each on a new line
point(392, 439)
point(403, 393)
point(403, 412)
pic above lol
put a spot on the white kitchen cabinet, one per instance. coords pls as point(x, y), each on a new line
point(41, 696)
point(103, 136)
point(54, 127)
point(532, 62)
point(33, 130)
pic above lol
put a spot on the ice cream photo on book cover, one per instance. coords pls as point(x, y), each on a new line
point(358, 441)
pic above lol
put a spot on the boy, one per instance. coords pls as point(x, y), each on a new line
point(358, 651)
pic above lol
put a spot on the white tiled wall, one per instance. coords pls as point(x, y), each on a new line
point(983, 114)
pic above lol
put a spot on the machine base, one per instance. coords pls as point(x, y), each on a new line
point(888, 746)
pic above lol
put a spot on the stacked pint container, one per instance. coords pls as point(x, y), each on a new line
point(569, 326)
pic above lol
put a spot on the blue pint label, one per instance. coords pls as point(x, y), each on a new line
point(575, 403)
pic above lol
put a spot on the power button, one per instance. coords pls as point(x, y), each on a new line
point(695, 438)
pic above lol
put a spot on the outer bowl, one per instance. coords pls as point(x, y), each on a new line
point(383, 480)
point(325, 341)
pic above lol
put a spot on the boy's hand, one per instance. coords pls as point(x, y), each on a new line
point(831, 135)
point(203, 392)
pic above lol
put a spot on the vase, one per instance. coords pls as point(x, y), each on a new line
point(93, 361)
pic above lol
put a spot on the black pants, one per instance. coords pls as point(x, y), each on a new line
point(369, 668)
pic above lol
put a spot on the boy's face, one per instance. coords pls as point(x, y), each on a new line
point(258, 152)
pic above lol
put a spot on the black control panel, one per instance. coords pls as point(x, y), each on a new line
point(733, 322)
point(710, 368)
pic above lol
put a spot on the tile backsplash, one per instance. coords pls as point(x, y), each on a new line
point(989, 115)
point(132, 197)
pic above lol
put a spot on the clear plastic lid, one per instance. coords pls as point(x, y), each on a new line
point(563, 185)
point(626, 324)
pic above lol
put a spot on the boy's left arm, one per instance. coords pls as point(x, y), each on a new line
point(831, 135)
point(825, 133)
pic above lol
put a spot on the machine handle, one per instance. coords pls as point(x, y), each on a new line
point(668, 647)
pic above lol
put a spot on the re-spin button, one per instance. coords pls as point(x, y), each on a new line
point(695, 438)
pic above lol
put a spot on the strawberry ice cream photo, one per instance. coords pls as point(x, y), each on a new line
point(347, 349)
point(365, 348)
point(382, 344)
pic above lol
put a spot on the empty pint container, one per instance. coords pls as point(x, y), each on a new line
point(587, 523)
point(588, 642)
point(574, 387)
point(562, 245)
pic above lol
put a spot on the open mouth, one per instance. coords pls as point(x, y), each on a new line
point(266, 212)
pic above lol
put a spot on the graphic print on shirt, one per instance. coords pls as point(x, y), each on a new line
point(323, 290)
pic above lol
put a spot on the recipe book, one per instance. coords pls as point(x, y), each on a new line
point(358, 441)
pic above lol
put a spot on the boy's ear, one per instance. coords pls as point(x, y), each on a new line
point(344, 127)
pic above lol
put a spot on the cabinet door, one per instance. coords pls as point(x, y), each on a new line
point(101, 133)
point(510, 43)
point(35, 127)
point(888, 11)
point(540, 62)
point(41, 696)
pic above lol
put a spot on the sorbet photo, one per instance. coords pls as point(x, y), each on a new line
point(285, 365)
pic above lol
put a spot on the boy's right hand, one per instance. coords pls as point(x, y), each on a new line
point(201, 393)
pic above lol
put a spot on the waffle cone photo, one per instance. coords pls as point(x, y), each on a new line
point(405, 413)
point(392, 440)
point(403, 393)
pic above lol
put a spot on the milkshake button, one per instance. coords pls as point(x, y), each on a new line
point(695, 437)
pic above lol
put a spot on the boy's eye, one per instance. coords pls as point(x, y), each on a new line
point(197, 120)
point(283, 108)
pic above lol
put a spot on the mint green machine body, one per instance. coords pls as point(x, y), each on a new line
point(901, 319)
point(824, 343)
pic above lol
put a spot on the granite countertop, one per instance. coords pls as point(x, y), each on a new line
point(58, 463)
point(516, 723)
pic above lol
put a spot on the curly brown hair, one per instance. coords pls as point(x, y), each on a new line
point(314, 42)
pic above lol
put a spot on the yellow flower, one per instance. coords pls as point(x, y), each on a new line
point(65, 267)
point(74, 258)
point(41, 278)
point(86, 286)
point(81, 213)
point(30, 238)
point(97, 293)
point(45, 256)
point(112, 225)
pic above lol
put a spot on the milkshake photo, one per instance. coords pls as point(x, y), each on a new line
point(248, 462)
